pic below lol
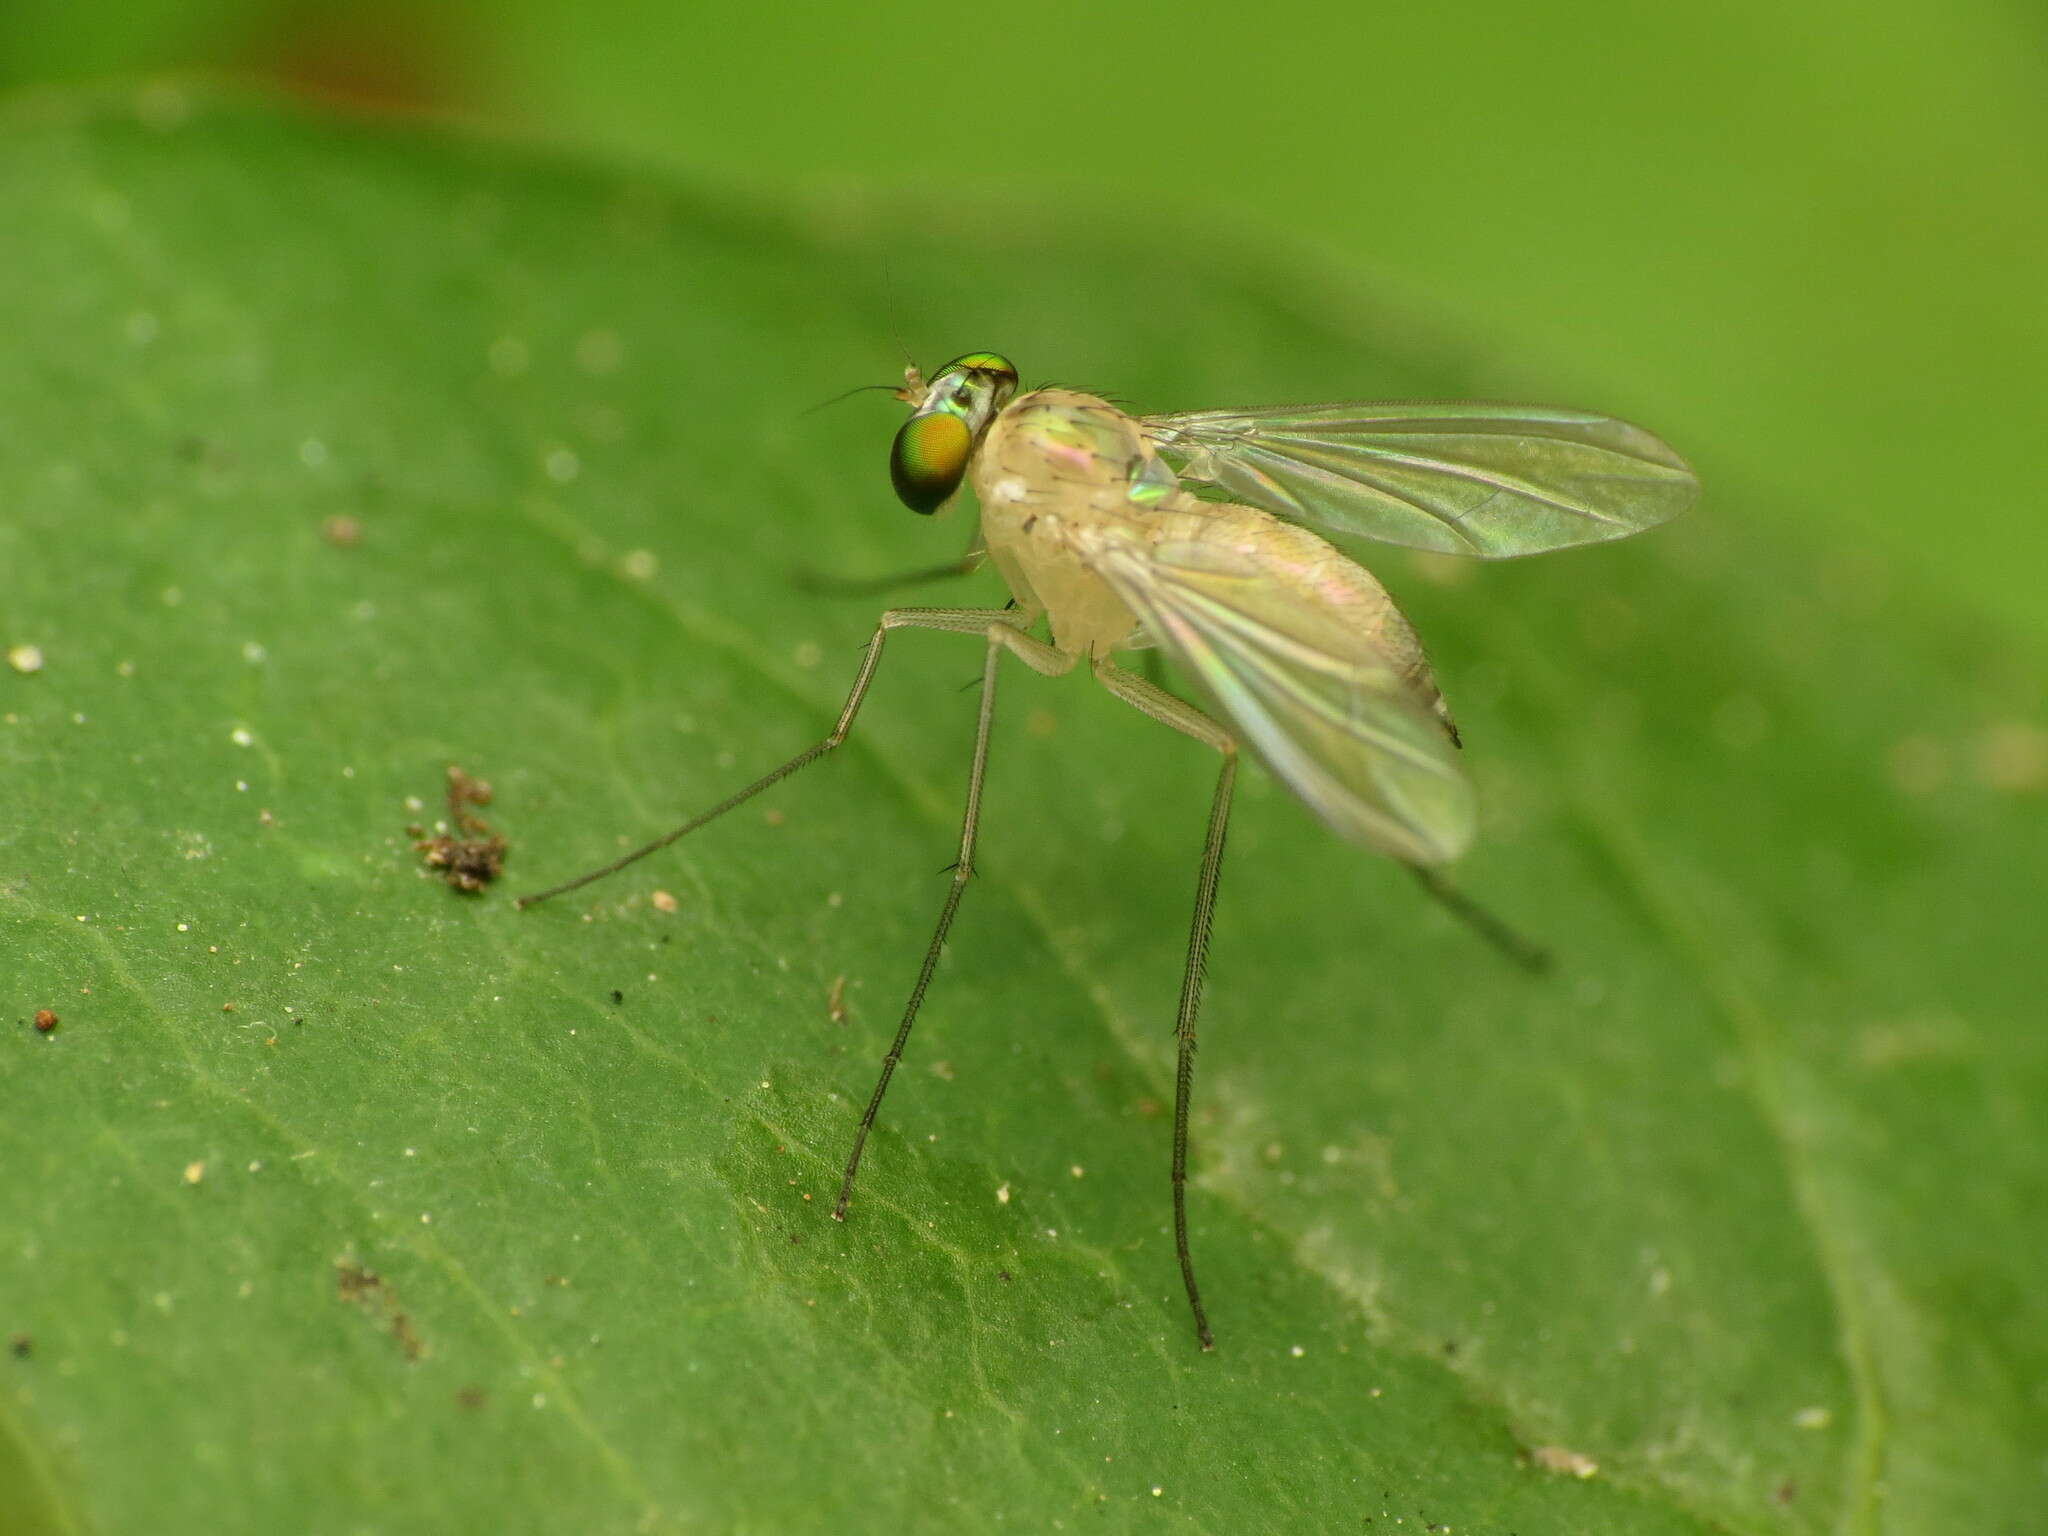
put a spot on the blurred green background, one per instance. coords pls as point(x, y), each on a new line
point(1743, 1205)
point(1807, 241)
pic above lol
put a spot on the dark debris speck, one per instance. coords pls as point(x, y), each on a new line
point(468, 853)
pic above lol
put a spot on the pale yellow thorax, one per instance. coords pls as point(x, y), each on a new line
point(1054, 464)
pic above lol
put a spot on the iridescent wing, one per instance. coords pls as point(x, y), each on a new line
point(1322, 705)
point(1462, 477)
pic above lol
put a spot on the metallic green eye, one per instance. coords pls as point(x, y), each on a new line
point(1004, 371)
point(928, 458)
point(950, 413)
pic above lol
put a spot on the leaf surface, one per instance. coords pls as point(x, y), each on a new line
point(331, 456)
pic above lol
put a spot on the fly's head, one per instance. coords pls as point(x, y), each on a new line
point(948, 416)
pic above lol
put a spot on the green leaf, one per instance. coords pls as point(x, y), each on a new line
point(337, 1200)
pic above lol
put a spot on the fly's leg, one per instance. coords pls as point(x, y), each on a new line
point(1530, 957)
point(1043, 658)
point(973, 621)
point(1189, 721)
point(873, 586)
point(822, 585)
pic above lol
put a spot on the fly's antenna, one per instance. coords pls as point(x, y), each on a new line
point(889, 308)
point(847, 395)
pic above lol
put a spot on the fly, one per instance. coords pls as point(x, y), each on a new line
point(1092, 517)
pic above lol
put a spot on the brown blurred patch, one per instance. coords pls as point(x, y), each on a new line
point(381, 56)
point(367, 1290)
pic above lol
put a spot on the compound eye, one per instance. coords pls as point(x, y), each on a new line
point(994, 364)
point(928, 458)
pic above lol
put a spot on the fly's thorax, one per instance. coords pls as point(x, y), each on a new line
point(1054, 464)
point(1066, 454)
point(1057, 462)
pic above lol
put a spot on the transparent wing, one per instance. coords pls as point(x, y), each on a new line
point(1463, 477)
point(1323, 706)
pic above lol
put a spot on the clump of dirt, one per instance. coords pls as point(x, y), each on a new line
point(464, 848)
point(366, 1289)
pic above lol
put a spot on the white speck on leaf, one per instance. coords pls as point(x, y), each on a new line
point(1557, 1458)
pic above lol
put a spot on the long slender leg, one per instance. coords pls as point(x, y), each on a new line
point(1530, 957)
point(1185, 718)
point(972, 621)
point(872, 586)
point(963, 871)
